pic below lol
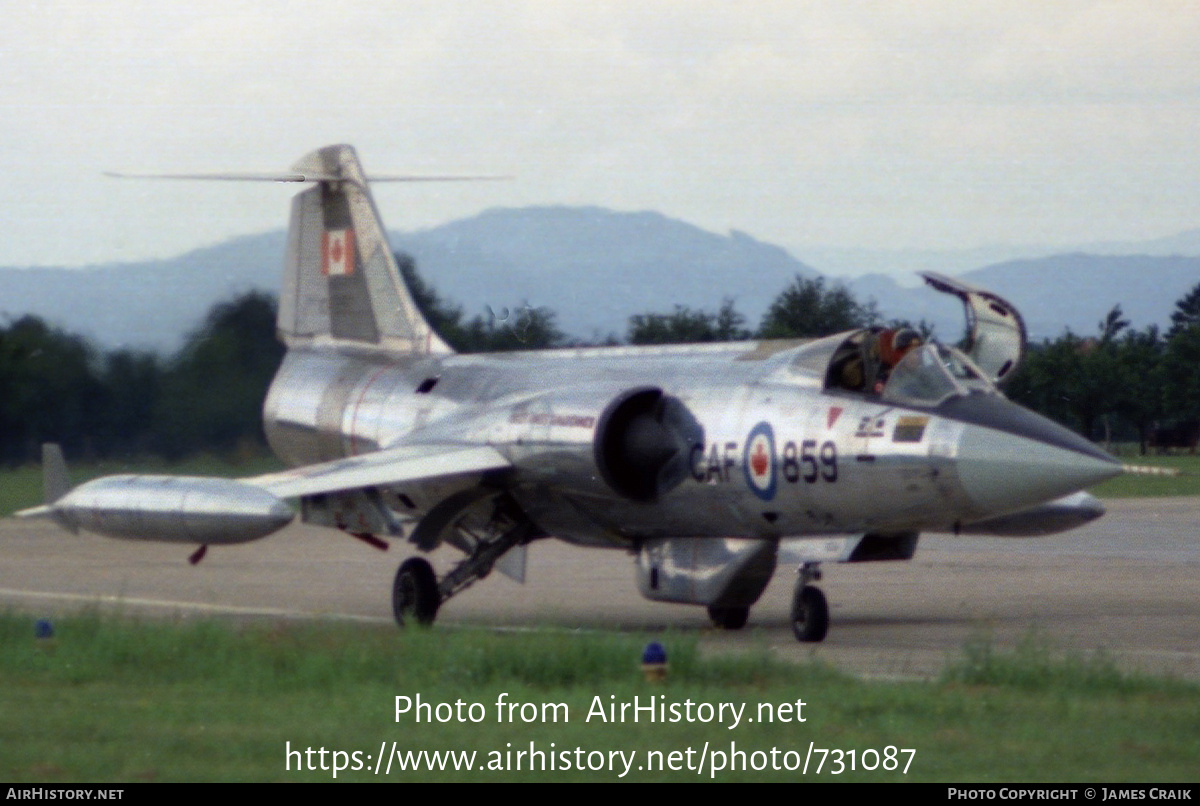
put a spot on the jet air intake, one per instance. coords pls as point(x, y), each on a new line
point(643, 441)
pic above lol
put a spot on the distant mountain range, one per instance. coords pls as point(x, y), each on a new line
point(898, 262)
point(595, 268)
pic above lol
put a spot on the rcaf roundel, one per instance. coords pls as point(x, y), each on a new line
point(758, 461)
point(337, 252)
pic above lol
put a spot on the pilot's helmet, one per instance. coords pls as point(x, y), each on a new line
point(905, 339)
point(894, 344)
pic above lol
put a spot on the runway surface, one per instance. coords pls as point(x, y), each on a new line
point(1128, 584)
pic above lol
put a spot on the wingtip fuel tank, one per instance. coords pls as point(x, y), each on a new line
point(177, 509)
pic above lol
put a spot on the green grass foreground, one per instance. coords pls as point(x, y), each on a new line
point(110, 699)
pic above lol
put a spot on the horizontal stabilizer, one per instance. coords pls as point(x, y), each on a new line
point(303, 177)
point(341, 283)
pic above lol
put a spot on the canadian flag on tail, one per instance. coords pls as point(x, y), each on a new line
point(337, 252)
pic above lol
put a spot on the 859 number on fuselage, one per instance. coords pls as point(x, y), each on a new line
point(809, 463)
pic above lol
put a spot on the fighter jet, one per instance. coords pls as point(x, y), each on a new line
point(710, 464)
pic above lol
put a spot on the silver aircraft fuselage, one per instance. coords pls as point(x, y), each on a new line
point(704, 460)
point(831, 462)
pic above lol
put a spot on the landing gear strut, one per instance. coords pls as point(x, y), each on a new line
point(810, 611)
point(417, 593)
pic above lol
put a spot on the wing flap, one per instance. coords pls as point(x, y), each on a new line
point(388, 467)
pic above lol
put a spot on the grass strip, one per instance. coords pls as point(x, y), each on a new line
point(114, 699)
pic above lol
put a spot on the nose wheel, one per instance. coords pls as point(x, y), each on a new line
point(810, 610)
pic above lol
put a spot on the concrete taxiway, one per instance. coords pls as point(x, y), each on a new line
point(1128, 584)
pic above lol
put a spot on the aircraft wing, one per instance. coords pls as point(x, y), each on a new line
point(204, 510)
point(390, 466)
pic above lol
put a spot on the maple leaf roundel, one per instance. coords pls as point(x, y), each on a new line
point(758, 461)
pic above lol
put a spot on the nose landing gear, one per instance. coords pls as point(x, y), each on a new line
point(810, 611)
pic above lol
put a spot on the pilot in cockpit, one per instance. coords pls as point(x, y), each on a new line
point(869, 357)
point(894, 344)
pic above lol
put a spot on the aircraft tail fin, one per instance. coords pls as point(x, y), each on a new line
point(341, 283)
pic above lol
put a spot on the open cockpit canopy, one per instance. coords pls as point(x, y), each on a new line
point(922, 374)
point(899, 366)
point(995, 331)
point(930, 374)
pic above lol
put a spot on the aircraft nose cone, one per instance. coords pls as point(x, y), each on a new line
point(1010, 458)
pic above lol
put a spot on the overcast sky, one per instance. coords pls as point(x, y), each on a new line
point(909, 125)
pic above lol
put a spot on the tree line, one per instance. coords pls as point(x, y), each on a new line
point(807, 307)
point(1119, 383)
point(123, 403)
point(1116, 384)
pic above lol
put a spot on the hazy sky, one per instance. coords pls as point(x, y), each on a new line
point(917, 125)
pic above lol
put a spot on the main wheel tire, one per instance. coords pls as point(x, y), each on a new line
point(810, 614)
point(729, 618)
point(415, 594)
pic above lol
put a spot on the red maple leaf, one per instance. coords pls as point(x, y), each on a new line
point(759, 461)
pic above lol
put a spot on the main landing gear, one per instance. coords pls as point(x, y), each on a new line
point(729, 618)
point(417, 593)
point(415, 596)
point(810, 611)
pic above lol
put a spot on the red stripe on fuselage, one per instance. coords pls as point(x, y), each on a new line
point(354, 417)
